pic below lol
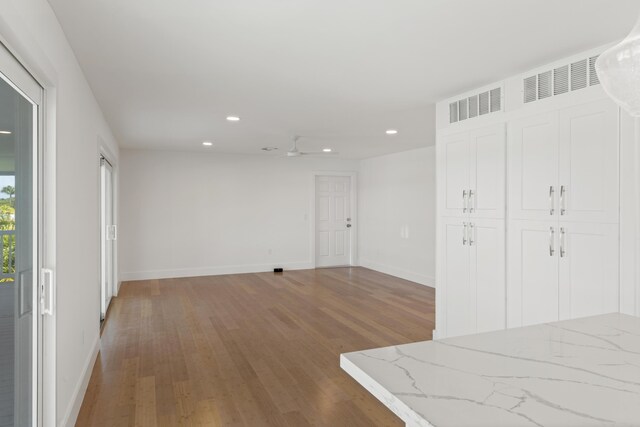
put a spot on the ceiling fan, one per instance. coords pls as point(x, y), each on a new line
point(294, 152)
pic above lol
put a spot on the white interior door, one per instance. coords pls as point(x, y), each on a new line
point(20, 233)
point(458, 297)
point(533, 167)
point(487, 172)
point(589, 163)
point(588, 269)
point(532, 272)
point(454, 158)
point(107, 236)
point(333, 221)
point(488, 274)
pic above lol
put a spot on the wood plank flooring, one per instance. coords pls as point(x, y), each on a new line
point(250, 349)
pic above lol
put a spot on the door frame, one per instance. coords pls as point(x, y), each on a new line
point(30, 56)
point(101, 230)
point(353, 255)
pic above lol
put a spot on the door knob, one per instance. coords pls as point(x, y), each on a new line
point(348, 225)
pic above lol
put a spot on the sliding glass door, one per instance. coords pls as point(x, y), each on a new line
point(20, 332)
point(107, 235)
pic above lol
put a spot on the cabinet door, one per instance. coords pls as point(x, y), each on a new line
point(488, 274)
point(455, 285)
point(589, 162)
point(487, 172)
point(454, 161)
point(533, 167)
point(588, 269)
point(532, 272)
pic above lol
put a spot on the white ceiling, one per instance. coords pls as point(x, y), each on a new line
point(340, 72)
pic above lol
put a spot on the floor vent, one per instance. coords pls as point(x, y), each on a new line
point(575, 76)
point(476, 105)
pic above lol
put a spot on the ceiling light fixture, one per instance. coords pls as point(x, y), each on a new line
point(207, 143)
point(327, 150)
point(233, 118)
point(5, 132)
point(618, 69)
point(391, 131)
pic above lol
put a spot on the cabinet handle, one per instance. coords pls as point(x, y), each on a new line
point(471, 234)
point(551, 208)
point(551, 242)
point(464, 234)
point(562, 209)
point(563, 252)
point(464, 201)
point(471, 200)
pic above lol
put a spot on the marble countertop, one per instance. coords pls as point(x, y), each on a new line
point(583, 372)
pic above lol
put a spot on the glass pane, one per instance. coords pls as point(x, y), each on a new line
point(17, 120)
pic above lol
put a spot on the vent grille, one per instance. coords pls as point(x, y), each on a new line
point(593, 75)
point(561, 80)
point(579, 75)
point(463, 109)
point(473, 106)
point(484, 103)
point(476, 105)
point(453, 112)
point(544, 85)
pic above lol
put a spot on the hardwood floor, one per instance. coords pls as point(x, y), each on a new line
point(250, 349)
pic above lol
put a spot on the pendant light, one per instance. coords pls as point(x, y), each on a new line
point(618, 69)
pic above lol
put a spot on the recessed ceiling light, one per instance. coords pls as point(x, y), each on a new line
point(233, 118)
point(269, 148)
point(5, 132)
point(391, 131)
point(327, 150)
point(207, 143)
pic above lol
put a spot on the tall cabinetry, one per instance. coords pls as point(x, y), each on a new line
point(528, 217)
point(563, 214)
point(471, 231)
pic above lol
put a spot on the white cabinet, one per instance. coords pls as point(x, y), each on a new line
point(532, 273)
point(588, 258)
point(473, 173)
point(564, 164)
point(533, 166)
point(473, 275)
point(588, 184)
point(560, 270)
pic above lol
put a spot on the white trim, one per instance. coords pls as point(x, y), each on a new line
point(411, 276)
point(213, 271)
point(29, 54)
point(105, 151)
point(354, 214)
point(72, 411)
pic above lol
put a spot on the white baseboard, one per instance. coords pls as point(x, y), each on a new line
point(71, 414)
point(397, 272)
point(213, 271)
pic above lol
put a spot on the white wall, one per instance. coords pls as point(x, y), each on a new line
point(75, 122)
point(397, 214)
point(199, 213)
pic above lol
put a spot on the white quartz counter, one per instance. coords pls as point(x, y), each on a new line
point(583, 372)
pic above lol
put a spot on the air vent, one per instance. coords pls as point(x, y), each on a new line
point(568, 78)
point(530, 89)
point(593, 75)
point(579, 75)
point(453, 112)
point(496, 99)
point(473, 106)
point(476, 105)
point(463, 109)
point(544, 85)
point(483, 99)
point(561, 80)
